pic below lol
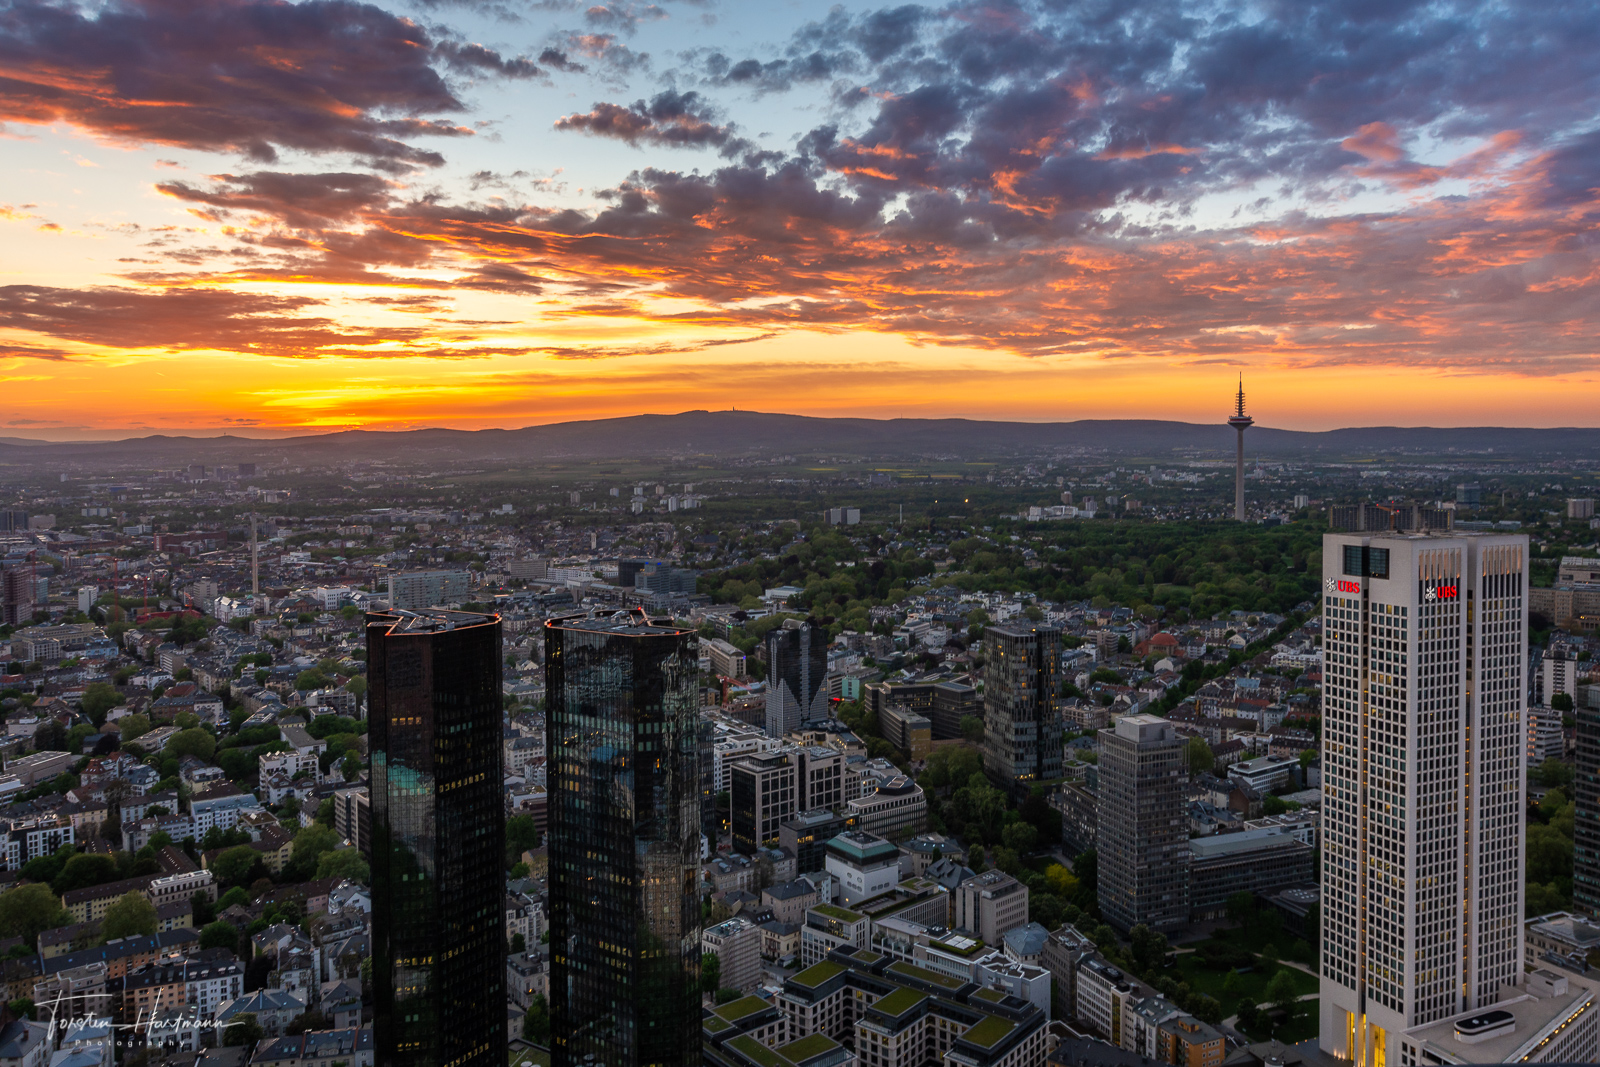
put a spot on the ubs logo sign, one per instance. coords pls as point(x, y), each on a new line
point(1441, 592)
point(1339, 585)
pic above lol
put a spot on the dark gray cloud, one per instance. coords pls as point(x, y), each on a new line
point(252, 76)
point(672, 119)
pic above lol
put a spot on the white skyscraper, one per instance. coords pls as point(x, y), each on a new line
point(1425, 649)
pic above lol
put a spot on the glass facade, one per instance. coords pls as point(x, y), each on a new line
point(438, 839)
point(623, 738)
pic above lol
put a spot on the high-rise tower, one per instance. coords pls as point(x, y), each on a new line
point(438, 832)
point(623, 737)
point(1241, 422)
point(1425, 642)
point(1143, 831)
point(797, 671)
point(1021, 728)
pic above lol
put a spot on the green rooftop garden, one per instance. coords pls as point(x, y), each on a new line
point(760, 1053)
point(992, 996)
point(735, 1010)
point(807, 1047)
point(989, 1033)
point(922, 974)
point(817, 973)
point(899, 1002)
point(833, 911)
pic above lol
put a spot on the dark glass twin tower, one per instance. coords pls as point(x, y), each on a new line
point(623, 742)
point(438, 833)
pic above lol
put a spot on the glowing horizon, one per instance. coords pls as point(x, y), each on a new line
point(275, 217)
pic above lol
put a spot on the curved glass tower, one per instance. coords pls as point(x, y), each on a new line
point(624, 776)
point(438, 839)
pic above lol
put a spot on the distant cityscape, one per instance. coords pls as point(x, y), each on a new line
point(801, 761)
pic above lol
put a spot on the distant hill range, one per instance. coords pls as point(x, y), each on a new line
point(751, 433)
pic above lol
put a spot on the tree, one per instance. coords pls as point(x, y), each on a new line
point(1020, 838)
point(522, 835)
point(203, 911)
point(85, 871)
point(1554, 774)
point(195, 742)
point(1242, 908)
point(29, 909)
point(133, 726)
point(131, 915)
point(1249, 1017)
point(972, 729)
point(1198, 756)
point(325, 812)
point(710, 972)
point(344, 863)
point(233, 865)
point(99, 698)
point(309, 846)
point(51, 736)
point(1268, 960)
point(1149, 947)
point(243, 1029)
point(1232, 986)
point(1281, 993)
point(220, 935)
point(1562, 702)
point(311, 679)
point(536, 1024)
point(519, 943)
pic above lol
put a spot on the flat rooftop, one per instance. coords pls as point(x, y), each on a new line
point(626, 623)
point(431, 620)
point(1531, 1014)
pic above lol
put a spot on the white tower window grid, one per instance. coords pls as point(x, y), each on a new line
point(1424, 652)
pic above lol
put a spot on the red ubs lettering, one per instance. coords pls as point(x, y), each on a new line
point(1349, 587)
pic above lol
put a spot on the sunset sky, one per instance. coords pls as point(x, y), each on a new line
point(263, 217)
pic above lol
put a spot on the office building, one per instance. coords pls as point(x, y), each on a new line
point(419, 590)
point(863, 865)
point(1425, 642)
point(1021, 729)
point(1573, 601)
point(763, 792)
point(623, 742)
point(807, 834)
point(988, 905)
point(1580, 507)
point(896, 806)
point(1558, 673)
point(906, 730)
point(1142, 828)
point(737, 944)
point(438, 824)
point(944, 704)
point(18, 593)
point(1251, 861)
point(663, 579)
point(797, 670)
point(725, 658)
